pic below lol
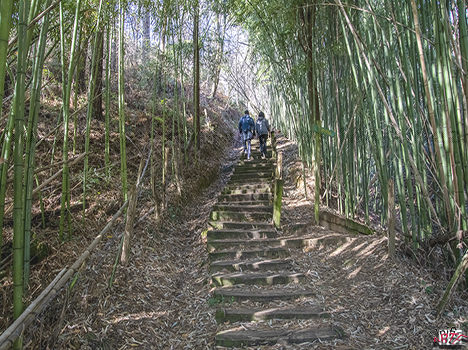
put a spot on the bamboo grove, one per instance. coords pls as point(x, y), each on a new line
point(390, 79)
point(46, 42)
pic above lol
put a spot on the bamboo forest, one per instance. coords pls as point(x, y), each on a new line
point(223, 174)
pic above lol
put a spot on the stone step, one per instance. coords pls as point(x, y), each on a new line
point(243, 208)
point(240, 234)
point(258, 279)
point(244, 190)
point(249, 179)
point(245, 197)
point(270, 253)
point(240, 169)
point(249, 168)
point(240, 216)
point(247, 186)
point(255, 162)
point(247, 203)
point(247, 315)
point(293, 242)
point(252, 175)
point(243, 338)
point(250, 265)
point(241, 244)
point(259, 295)
point(232, 225)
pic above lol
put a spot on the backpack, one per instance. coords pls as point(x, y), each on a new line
point(262, 126)
point(246, 123)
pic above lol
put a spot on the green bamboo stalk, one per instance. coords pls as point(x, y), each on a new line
point(31, 144)
point(196, 79)
point(6, 7)
point(107, 110)
point(89, 111)
point(184, 119)
point(18, 112)
point(463, 37)
point(65, 200)
point(6, 150)
point(76, 89)
point(123, 152)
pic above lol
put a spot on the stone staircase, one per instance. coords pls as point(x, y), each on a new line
point(250, 265)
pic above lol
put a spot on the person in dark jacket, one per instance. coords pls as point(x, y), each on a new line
point(262, 127)
point(247, 131)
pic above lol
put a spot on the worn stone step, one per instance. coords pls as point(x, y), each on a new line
point(290, 242)
point(247, 203)
point(259, 295)
point(258, 190)
point(240, 169)
point(242, 338)
point(258, 279)
point(269, 253)
point(252, 179)
point(254, 168)
point(240, 216)
point(247, 186)
point(255, 159)
point(240, 234)
point(245, 197)
point(252, 175)
point(250, 265)
point(247, 315)
point(232, 225)
point(243, 208)
point(241, 244)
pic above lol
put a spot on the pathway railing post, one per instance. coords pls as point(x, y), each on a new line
point(278, 194)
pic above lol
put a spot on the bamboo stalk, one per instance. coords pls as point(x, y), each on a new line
point(391, 219)
point(65, 199)
point(6, 7)
point(31, 144)
point(132, 200)
point(123, 152)
point(91, 93)
point(18, 112)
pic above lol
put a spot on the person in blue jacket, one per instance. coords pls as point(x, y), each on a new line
point(247, 131)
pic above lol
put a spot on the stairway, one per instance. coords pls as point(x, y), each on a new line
point(250, 265)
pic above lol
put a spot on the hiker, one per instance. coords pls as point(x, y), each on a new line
point(247, 131)
point(262, 127)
